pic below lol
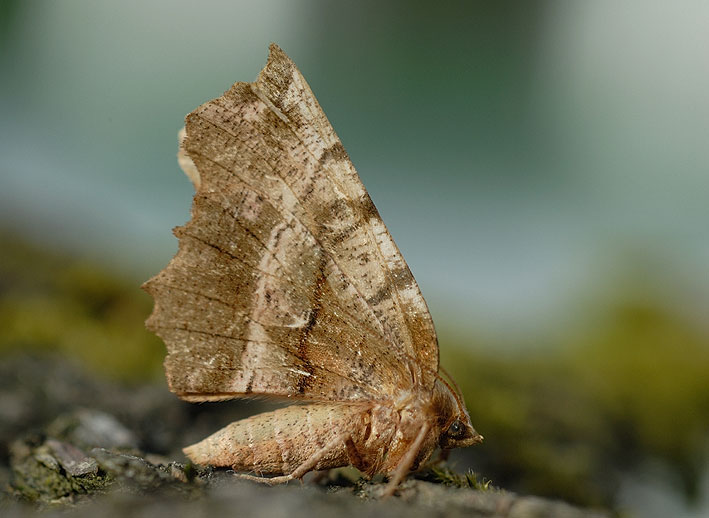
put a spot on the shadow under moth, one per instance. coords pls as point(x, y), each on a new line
point(287, 284)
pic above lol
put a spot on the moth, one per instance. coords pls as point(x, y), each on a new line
point(287, 284)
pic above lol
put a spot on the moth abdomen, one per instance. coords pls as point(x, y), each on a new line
point(278, 442)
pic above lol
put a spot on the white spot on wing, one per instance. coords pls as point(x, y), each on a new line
point(185, 162)
point(302, 373)
point(268, 103)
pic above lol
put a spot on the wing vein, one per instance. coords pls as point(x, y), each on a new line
point(372, 332)
point(187, 329)
point(385, 335)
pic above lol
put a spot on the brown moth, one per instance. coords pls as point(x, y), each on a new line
point(288, 284)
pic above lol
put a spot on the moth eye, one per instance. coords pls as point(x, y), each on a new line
point(456, 429)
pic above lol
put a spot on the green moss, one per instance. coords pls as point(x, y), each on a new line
point(190, 471)
point(447, 477)
point(38, 477)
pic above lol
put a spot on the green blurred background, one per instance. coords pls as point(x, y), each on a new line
point(543, 166)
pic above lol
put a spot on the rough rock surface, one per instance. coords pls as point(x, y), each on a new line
point(71, 442)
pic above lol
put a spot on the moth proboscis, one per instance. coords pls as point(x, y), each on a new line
point(287, 284)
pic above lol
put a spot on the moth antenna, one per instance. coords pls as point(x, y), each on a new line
point(455, 394)
point(452, 380)
point(456, 391)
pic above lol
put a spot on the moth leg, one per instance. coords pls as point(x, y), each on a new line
point(269, 481)
point(355, 458)
point(301, 470)
point(406, 462)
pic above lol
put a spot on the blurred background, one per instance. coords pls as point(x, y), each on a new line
point(543, 166)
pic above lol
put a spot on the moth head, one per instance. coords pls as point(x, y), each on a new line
point(456, 430)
